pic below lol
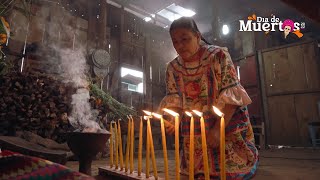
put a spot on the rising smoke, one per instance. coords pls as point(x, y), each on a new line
point(75, 68)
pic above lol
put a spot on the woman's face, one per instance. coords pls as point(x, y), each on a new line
point(185, 42)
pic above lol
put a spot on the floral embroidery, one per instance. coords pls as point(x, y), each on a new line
point(192, 89)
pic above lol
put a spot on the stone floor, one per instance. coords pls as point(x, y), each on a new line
point(277, 164)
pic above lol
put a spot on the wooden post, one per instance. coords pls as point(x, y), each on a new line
point(264, 95)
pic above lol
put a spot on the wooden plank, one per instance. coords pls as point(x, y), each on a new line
point(295, 64)
point(255, 108)
point(306, 111)
point(294, 92)
point(283, 121)
point(312, 65)
point(36, 29)
point(287, 46)
point(107, 171)
point(248, 71)
point(22, 146)
point(284, 70)
point(269, 60)
point(262, 79)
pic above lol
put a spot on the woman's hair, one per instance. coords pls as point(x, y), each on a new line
point(288, 22)
point(187, 23)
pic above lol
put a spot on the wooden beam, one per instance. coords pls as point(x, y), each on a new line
point(309, 8)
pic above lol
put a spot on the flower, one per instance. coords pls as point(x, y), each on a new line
point(4, 31)
point(193, 89)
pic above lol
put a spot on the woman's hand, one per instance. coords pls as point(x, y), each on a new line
point(169, 124)
point(170, 128)
point(213, 138)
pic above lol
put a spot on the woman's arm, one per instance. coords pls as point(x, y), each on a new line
point(214, 133)
point(230, 94)
point(172, 100)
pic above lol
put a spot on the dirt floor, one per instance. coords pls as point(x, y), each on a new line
point(276, 164)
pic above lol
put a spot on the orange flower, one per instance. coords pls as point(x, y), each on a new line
point(98, 102)
point(2, 41)
point(3, 38)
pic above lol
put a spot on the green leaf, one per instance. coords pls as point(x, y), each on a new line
point(118, 110)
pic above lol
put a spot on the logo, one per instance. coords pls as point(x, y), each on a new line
point(273, 23)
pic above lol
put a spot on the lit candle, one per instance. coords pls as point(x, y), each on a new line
point(150, 146)
point(131, 145)
point(164, 144)
point(222, 144)
point(116, 145)
point(120, 145)
point(176, 142)
point(128, 144)
point(111, 146)
point(153, 157)
point(204, 145)
point(148, 152)
point(140, 148)
point(191, 147)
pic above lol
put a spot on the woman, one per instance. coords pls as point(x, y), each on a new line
point(201, 76)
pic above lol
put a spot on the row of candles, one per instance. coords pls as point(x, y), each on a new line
point(115, 130)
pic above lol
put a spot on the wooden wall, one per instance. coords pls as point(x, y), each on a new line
point(249, 79)
point(134, 43)
point(291, 89)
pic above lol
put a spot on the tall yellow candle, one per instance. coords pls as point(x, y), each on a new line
point(204, 146)
point(222, 150)
point(111, 145)
point(140, 148)
point(164, 144)
point(176, 141)
point(191, 148)
point(177, 147)
point(222, 144)
point(128, 145)
point(164, 147)
point(120, 145)
point(148, 150)
point(204, 149)
point(132, 145)
point(117, 144)
point(154, 164)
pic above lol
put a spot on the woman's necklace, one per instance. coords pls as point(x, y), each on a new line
point(197, 68)
point(194, 70)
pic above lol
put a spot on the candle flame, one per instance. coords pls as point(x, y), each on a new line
point(156, 115)
point(217, 111)
point(147, 112)
point(172, 113)
point(198, 113)
point(188, 113)
point(145, 117)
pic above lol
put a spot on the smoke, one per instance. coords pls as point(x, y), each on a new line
point(74, 70)
point(66, 55)
point(74, 67)
point(81, 111)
